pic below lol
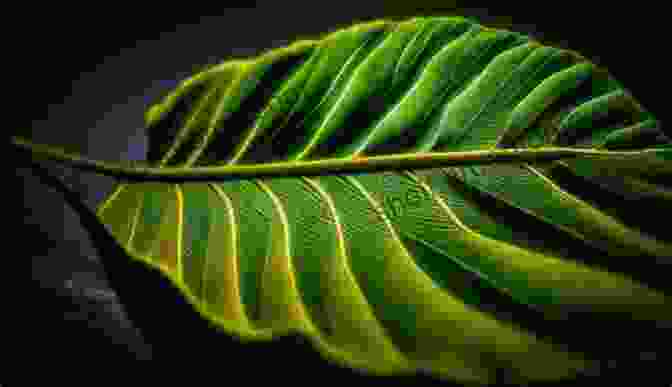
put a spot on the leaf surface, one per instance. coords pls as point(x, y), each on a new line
point(393, 271)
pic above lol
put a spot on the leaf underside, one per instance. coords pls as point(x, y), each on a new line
point(390, 272)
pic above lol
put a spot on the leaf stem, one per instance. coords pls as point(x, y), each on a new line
point(405, 161)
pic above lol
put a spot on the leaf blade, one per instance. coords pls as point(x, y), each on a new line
point(324, 243)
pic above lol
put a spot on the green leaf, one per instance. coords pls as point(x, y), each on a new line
point(431, 167)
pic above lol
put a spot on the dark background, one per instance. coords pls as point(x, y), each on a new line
point(87, 73)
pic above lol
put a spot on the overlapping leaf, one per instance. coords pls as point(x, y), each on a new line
point(388, 271)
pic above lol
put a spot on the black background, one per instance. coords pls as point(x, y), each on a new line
point(87, 73)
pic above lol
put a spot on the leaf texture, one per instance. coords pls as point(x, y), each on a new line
point(392, 271)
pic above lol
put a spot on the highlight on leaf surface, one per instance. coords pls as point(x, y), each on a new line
point(389, 272)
